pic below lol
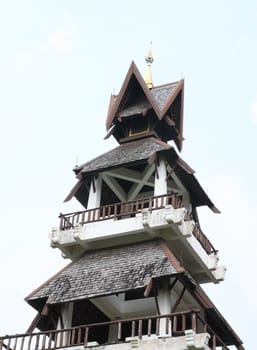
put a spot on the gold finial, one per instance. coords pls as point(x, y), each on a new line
point(148, 72)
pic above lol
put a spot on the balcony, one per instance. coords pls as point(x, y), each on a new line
point(183, 330)
point(125, 209)
point(159, 216)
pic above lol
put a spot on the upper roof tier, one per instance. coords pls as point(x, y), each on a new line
point(136, 153)
point(139, 111)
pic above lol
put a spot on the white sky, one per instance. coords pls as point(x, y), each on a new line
point(59, 63)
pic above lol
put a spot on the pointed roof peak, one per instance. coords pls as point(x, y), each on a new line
point(136, 97)
point(149, 58)
point(148, 73)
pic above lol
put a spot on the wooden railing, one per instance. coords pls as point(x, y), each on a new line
point(203, 240)
point(175, 323)
point(129, 209)
point(119, 210)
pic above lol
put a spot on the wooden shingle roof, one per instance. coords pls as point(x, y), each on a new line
point(123, 154)
point(136, 152)
point(108, 271)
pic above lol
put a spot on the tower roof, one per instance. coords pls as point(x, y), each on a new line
point(137, 152)
point(161, 105)
point(125, 268)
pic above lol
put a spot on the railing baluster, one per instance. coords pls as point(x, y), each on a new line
point(86, 336)
point(49, 341)
point(55, 338)
point(37, 342)
point(8, 344)
point(43, 342)
point(83, 218)
point(73, 337)
point(149, 327)
point(133, 329)
point(193, 320)
point(22, 343)
point(157, 326)
point(173, 203)
point(214, 342)
point(29, 342)
point(115, 211)
point(61, 340)
point(150, 205)
point(119, 331)
point(162, 200)
point(15, 344)
point(67, 337)
point(167, 325)
point(140, 329)
point(175, 324)
point(109, 211)
point(183, 322)
point(79, 336)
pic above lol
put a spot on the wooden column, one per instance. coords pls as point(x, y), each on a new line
point(95, 192)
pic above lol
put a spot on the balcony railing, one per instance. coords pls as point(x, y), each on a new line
point(203, 240)
point(129, 209)
point(118, 210)
point(137, 327)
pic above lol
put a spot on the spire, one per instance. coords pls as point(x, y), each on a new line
point(148, 72)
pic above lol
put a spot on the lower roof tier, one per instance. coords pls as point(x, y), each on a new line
point(103, 278)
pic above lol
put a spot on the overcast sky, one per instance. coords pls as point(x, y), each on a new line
point(59, 63)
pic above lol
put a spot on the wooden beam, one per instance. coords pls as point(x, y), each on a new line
point(135, 189)
point(173, 283)
point(178, 300)
point(34, 323)
point(149, 286)
point(129, 175)
point(115, 187)
point(44, 312)
point(156, 302)
point(183, 190)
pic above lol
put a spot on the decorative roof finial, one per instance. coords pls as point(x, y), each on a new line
point(148, 73)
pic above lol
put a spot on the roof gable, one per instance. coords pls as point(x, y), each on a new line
point(163, 103)
point(132, 78)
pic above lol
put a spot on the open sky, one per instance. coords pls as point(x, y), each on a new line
point(59, 62)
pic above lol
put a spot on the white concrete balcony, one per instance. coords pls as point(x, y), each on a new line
point(160, 216)
point(180, 331)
